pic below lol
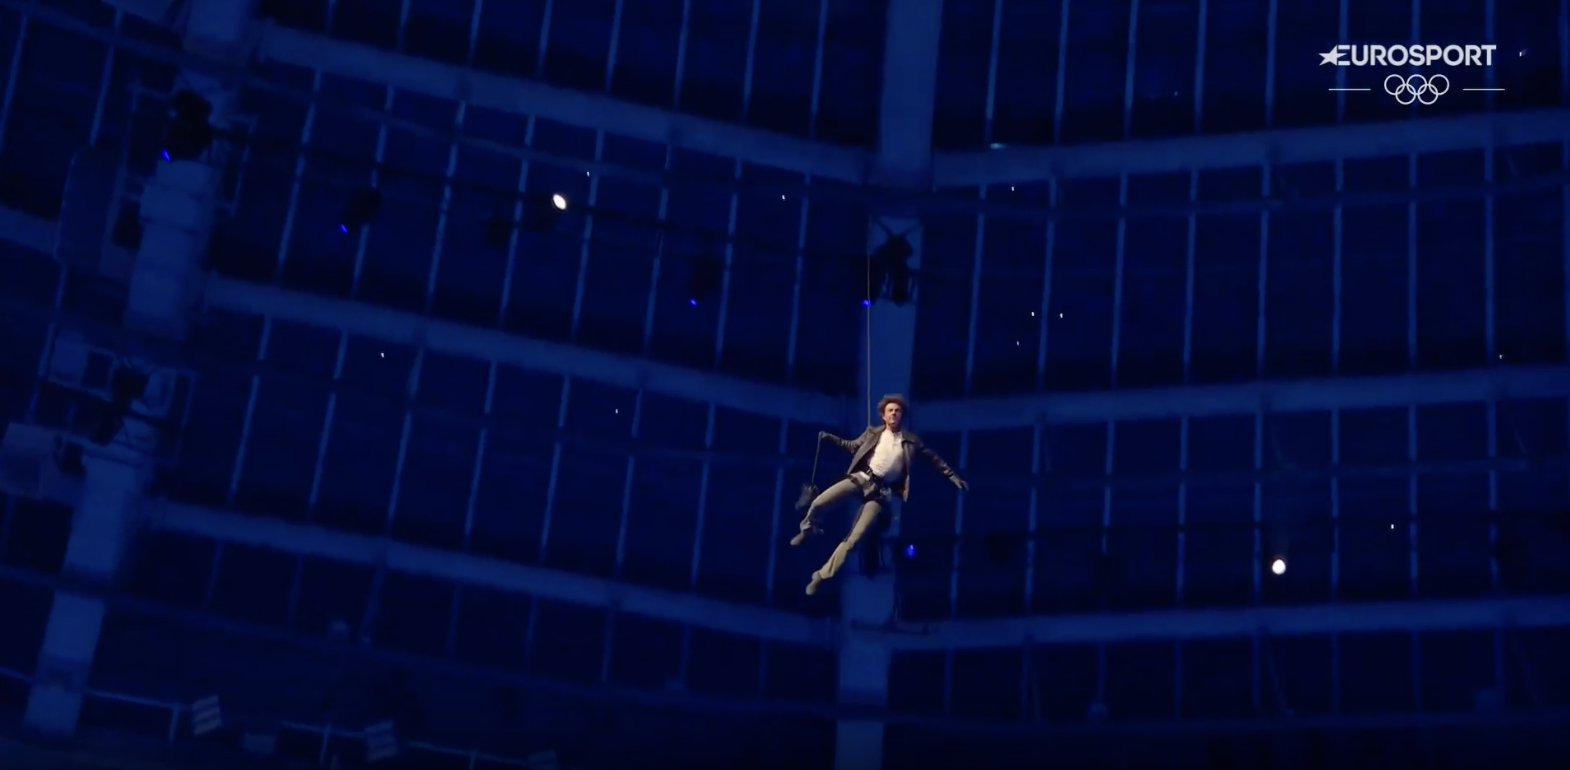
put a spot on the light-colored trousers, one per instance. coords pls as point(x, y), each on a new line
point(839, 492)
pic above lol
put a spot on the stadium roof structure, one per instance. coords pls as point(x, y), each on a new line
point(429, 381)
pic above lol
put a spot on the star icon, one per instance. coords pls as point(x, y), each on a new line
point(1334, 57)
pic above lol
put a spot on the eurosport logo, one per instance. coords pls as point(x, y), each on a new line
point(1416, 55)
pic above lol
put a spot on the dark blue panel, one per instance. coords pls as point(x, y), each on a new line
point(989, 684)
point(997, 517)
point(1451, 274)
point(783, 71)
point(1140, 680)
point(1069, 676)
point(1302, 672)
point(852, 74)
point(279, 471)
point(331, 592)
point(36, 535)
point(917, 682)
point(580, 45)
point(684, 331)
point(492, 627)
point(1010, 316)
point(1079, 342)
point(1234, 82)
point(1097, 65)
point(1298, 530)
point(253, 585)
point(1376, 674)
point(763, 278)
point(26, 609)
point(585, 521)
point(964, 61)
point(943, 311)
point(440, 30)
point(1165, 54)
point(1529, 313)
point(833, 284)
point(569, 641)
point(800, 673)
point(1144, 512)
point(746, 507)
point(1299, 283)
point(57, 87)
point(375, 23)
point(723, 664)
point(1374, 278)
point(1226, 283)
point(171, 569)
point(1454, 667)
point(1550, 673)
point(620, 267)
point(1027, 76)
point(1218, 679)
point(716, 59)
point(515, 475)
point(1373, 23)
point(646, 52)
point(474, 270)
point(645, 652)
point(510, 40)
point(400, 246)
point(412, 614)
point(663, 519)
point(366, 435)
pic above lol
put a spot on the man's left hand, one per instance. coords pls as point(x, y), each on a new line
point(959, 482)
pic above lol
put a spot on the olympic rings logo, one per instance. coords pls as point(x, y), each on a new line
point(1416, 88)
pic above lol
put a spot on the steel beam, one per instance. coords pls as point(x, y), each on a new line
point(1241, 622)
point(436, 335)
point(375, 551)
point(1350, 141)
point(597, 111)
point(1310, 395)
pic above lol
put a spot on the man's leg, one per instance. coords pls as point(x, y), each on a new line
point(839, 492)
point(864, 521)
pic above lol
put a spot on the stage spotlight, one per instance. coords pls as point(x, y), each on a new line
point(360, 209)
point(705, 278)
point(542, 211)
point(1278, 567)
point(190, 131)
point(910, 551)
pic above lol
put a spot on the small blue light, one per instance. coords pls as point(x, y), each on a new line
point(166, 154)
point(866, 303)
point(343, 229)
point(910, 552)
point(693, 302)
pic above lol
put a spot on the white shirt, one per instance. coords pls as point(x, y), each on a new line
point(888, 457)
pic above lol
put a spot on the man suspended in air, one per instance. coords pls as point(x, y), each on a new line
point(881, 458)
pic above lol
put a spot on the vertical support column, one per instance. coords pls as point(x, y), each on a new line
point(177, 209)
point(903, 159)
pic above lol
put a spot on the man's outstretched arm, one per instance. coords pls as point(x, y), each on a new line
point(848, 444)
point(943, 468)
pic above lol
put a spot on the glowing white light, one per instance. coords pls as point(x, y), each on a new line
point(1278, 566)
point(559, 202)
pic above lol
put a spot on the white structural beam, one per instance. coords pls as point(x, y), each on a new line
point(1311, 395)
point(902, 161)
point(465, 569)
point(177, 212)
point(436, 335)
point(575, 108)
point(1020, 165)
point(1307, 620)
